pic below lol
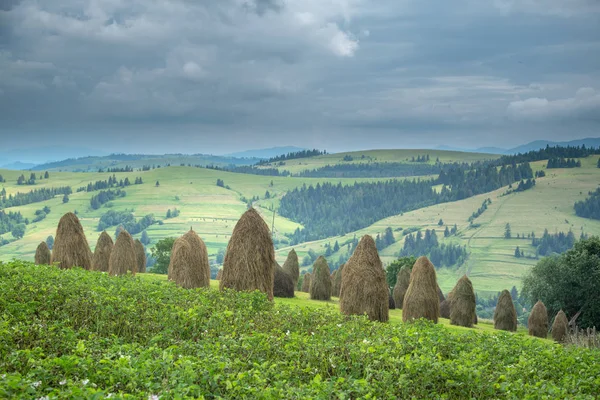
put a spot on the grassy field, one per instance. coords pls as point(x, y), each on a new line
point(213, 211)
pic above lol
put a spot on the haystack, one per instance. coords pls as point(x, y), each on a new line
point(505, 315)
point(538, 320)
point(462, 303)
point(190, 269)
point(560, 327)
point(292, 267)
point(402, 282)
point(250, 256)
point(283, 285)
point(104, 247)
point(181, 257)
point(445, 308)
point(42, 254)
point(306, 283)
point(440, 294)
point(421, 299)
point(140, 256)
point(364, 287)
point(122, 257)
point(71, 247)
point(391, 302)
point(320, 283)
point(337, 282)
point(219, 274)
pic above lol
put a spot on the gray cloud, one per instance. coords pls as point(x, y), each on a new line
point(268, 71)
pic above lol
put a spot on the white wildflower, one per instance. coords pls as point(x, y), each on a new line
point(312, 333)
point(153, 397)
point(85, 381)
point(36, 384)
point(63, 382)
point(339, 325)
point(365, 341)
point(43, 398)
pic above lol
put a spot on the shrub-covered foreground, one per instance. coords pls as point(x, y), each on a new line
point(84, 334)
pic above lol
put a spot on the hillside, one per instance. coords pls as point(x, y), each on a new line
point(213, 211)
point(146, 338)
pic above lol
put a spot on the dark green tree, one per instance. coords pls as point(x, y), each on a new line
point(145, 239)
point(161, 252)
point(518, 252)
point(391, 272)
point(157, 184)
point(18, 231)
point(570, 282)
point(389, 238)
point(514, 293)
point(507, 231)
point(46, 175)
point(441, 222)
point(50, 242)
point(336, 247)
point(65, 199)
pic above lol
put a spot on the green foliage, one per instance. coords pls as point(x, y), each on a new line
point(33, 196)
point(161, 252)
point(104, 196)
point(126, 220)
point(18, 231)
point(135, 338)
point(50, 242)
point(590, 207)
point(391, 272)
point(570, 282)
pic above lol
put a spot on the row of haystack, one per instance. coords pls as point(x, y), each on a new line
point(71, 249)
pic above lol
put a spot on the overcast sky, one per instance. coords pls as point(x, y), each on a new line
point(225, 75)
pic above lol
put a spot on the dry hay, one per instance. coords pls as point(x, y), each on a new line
point(560, 327)
point(440, 294)
point(42, 254)
point(292, 267)
point(219, 274)
point(190, 269)
point(181, 257)
point(320, 283)
point(462, 303)
point(250, 256)
point(402, 282)
point(505, 315)
point(122, 257)
point(71, 247)
point(140, 256)
point(445, 308)
point(337, 282)
point(421, 299)
point(104, 247)
point(538, 320)
point(306, 283)
point(391, 302)
point(283, 285)
point(364, 288)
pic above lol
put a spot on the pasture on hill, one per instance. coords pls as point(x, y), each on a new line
point(141, 337)
point(212, 211)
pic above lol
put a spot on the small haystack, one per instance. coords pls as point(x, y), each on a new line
point(250, 256)
point(283, 285)
point(421, 299)
point(122, 257)
point(402, 282)
point(538, 320)
point(337, 282)
point(306, 282)
point(71, 247)
point(104, 247)
point(42, 254)
point(505, 315)
point(140, 256)
point(445, 307)
point(191, 268)
point(391, 302)
point(440, 294)
point(219, 274)
point(364, 288)
point(560, 327)
point(462, 303)
point(181, 257)
point(292, 267)
point(320, 283)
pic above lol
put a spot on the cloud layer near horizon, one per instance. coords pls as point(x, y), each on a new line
point(341, 74)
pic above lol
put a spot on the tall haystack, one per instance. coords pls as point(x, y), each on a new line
point(462, 303)
point(122, 257)
point(140, 256)
point(320, 283)
point(219, 274)
point(560, 327)
point(440, 294)
point(42, 254)
point(337, 282)
point(104, 247)
point(402, 282)
point(364, 287)
point(421, 299)
point(391, 302)
point(292, 267)
point(283, 285)
point(306, 282)
point(505, 315)
point(445, 307)
point(538, 320)
point(250, 256)
point(190, 269)
point(71, 247)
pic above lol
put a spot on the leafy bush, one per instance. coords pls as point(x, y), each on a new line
point(83, 334)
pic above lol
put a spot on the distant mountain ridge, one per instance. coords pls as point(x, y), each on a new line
point(266, 153)
point(531, 146)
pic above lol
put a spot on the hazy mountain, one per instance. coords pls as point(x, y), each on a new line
point(17, 165)
point(535, 145)
point(40, 155)
point(266, 153)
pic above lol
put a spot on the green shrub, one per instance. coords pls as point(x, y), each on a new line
point(83, 334)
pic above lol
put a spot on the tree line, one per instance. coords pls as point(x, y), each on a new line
point(293, 155)
point(110, 183)
point(33, 196)
point(549, 152)
point(125, 220)
point(590, 207)
point(105, 196)
point(559, 162)
point(371, 170)
point(444, 255)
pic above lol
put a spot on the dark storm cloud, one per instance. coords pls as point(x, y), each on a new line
point(305, 72)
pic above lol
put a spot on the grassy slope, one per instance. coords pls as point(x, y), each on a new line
point(213, 211)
